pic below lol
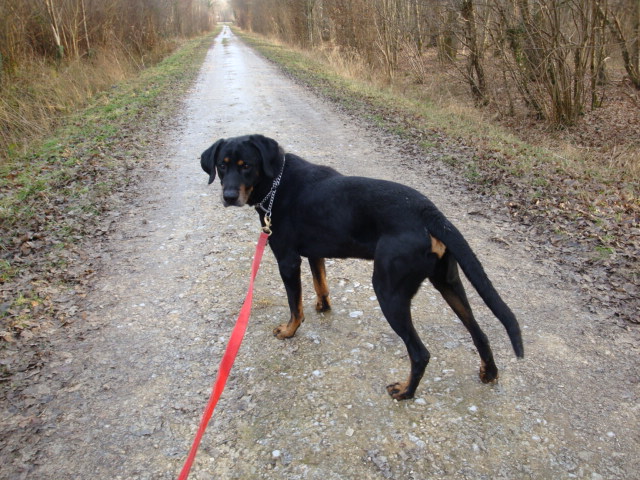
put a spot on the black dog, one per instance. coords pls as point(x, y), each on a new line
point(318, 213)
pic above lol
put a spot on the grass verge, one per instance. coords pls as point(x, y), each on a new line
point(585, 211)
point(51, 198)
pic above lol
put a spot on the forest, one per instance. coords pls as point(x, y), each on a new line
point(552, 55)
point(550, 62)
point(55, 54)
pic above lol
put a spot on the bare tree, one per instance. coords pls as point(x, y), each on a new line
point(447, 38)
point(389, 33)
point(628, 39)
point(55, 26)
point(475, 69)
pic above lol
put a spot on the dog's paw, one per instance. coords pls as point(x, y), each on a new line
point(399, 391)
point(323, 304)
point(488, 374)
point(285, 330)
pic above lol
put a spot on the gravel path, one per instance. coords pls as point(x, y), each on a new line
point(126, 386)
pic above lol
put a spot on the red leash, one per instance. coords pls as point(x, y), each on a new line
point(227, 359)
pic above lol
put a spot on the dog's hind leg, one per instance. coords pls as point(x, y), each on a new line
point(290, 272)
point(319, 274)
point(395, 281)
point(447, 281)
point(397, 311)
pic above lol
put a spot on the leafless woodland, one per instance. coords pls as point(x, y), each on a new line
point(553, 56)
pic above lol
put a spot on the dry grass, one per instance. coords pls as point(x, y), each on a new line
point(346, 64)
point(41, 93)
point(606, 137)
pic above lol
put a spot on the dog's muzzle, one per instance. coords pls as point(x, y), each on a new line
point(230, 197)
point(236, 197)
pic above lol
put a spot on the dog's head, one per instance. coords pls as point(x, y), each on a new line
point(243, 164)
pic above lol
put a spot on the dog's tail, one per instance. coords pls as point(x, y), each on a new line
point(453, 240)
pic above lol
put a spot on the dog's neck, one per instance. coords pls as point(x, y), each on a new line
point(266, 204)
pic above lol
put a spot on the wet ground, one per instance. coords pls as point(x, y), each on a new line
point(126, 386)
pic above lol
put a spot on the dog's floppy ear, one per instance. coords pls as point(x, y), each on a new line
point(270, 151)
point(208, 159)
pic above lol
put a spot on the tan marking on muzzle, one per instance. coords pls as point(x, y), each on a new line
point(245, 192)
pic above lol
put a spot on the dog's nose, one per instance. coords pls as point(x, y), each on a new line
point(230, 196)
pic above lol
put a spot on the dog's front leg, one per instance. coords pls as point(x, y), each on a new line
point(290, 272)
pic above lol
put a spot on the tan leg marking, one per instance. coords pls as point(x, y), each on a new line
point(484, 378)
point(288, 330)
point(398, 391)
point(319, 273)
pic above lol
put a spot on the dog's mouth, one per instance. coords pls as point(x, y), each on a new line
point(225, 203)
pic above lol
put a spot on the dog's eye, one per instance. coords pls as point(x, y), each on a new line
point(246, 166)
point(222, 167)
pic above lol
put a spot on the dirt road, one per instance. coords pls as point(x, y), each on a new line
point(126, 386)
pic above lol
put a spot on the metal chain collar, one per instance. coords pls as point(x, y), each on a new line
point(270, 196)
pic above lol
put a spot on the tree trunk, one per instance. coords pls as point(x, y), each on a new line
point(630, 56)
point(635, 44)
point(447, 40)
point(475, 70)
point(55, 28)
point(417, 27)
